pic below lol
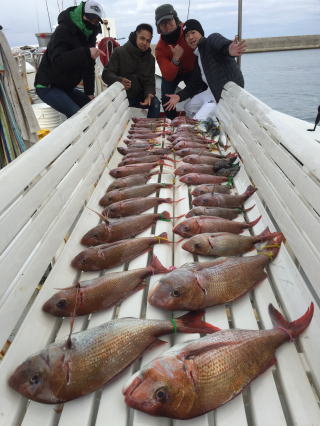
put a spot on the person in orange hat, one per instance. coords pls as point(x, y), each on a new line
point(175, 58)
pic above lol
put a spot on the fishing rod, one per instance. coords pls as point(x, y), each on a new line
point(239, 28)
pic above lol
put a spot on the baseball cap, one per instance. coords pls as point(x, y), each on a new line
point(165, 11)
point(93, 10)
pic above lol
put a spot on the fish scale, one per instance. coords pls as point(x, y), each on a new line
point(222, 373)
point(237, 273)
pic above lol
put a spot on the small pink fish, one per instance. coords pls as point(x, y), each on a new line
point(198, 178)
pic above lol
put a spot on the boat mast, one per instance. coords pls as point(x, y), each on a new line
point(48, 16)
point(239, 27)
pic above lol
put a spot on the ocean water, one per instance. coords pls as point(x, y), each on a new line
point(287, 81)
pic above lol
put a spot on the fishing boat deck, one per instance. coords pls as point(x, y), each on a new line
point(45, 194)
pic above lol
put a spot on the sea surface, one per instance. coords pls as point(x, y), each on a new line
point(288, 81)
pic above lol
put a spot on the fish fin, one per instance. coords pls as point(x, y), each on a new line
point(191, 323)
point(294, 328)
point(102, 216)
point(77, 284)
point(164, 216)
point(248, 209)
point(274, 246)
point(157, 343)
point(199, 347)
point(250, 190)
point(254, 222)
point(156, 266)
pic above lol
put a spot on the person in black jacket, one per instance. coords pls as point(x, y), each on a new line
point(134, 66)
point(215, 67)
point(70, 58)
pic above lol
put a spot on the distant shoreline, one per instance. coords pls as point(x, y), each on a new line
point(274, 44)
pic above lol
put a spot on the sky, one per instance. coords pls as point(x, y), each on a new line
point(261, 18)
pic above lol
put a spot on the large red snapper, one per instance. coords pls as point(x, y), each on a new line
point(221, 244)
point(199, 376)
point(199, 178)
point(223, 200)
point(208, 159)
point(122, 228)
point(102, 292)
point(108, 255)
point(73, 368)
point(204, 224)
point(215, 211)
point(199, 285)
point(134, 206)
point(133, 169)
point(204, 189)
point(131, 192)
point(132, 180)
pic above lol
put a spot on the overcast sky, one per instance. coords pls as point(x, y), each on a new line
point(261, 18)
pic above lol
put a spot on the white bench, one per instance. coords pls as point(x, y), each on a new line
point(44, 195)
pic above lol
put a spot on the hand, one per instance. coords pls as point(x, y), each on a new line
point(177, 52)
point(147, 101)
point(95, 52)
point(126, 83)
point(237, 48)
point(172, 102)
point(91, 97)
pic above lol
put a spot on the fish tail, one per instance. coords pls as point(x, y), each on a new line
point(294, 328)
point(121, 150)
point(156, 266)
point(162, 238)
point(254, 222)
point(249, 191)
point(267, 235)
point(191, 323)
point(166, 185)
point(165, 216)
point(248, 209)
point(274, 246)
point(162, 163)
point(169, 159)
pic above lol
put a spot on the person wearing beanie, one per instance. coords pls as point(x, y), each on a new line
point(175, 58)
point(134, 66)
point(70, 58)
point(215, 67)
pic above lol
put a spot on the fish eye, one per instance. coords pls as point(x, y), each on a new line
point(83, 261)
point(35, 379)
point(175, 293)
point(161, 395)
point(186, 228)
point(205, 200)
point(61, 303)
point(197, 245)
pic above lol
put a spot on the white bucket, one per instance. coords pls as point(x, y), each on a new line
point(48, 118)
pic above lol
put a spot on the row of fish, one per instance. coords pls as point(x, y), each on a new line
point(189, 379)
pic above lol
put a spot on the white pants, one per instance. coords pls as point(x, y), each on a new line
point(201, 106)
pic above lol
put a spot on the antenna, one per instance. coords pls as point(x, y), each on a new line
point(239, 27)
point(48, 16)
point(188, 9)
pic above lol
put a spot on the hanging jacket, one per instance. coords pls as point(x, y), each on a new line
point(164, 57)
point(218, 66)
point(128, 61)
point(67, 59)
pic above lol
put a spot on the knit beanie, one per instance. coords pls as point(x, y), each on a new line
point(192, 24)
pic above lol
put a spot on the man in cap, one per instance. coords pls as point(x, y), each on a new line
point(215, 67)
point(174, 56)
point(70, 58)
point(134, 66)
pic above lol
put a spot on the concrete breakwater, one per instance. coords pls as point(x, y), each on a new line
point(270, 44)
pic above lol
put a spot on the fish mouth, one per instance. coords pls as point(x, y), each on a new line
point(186, 247)
point(128, 391)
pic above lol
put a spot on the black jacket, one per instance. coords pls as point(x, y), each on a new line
point(67, 59)
point(218, 66)
point(128, 61)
